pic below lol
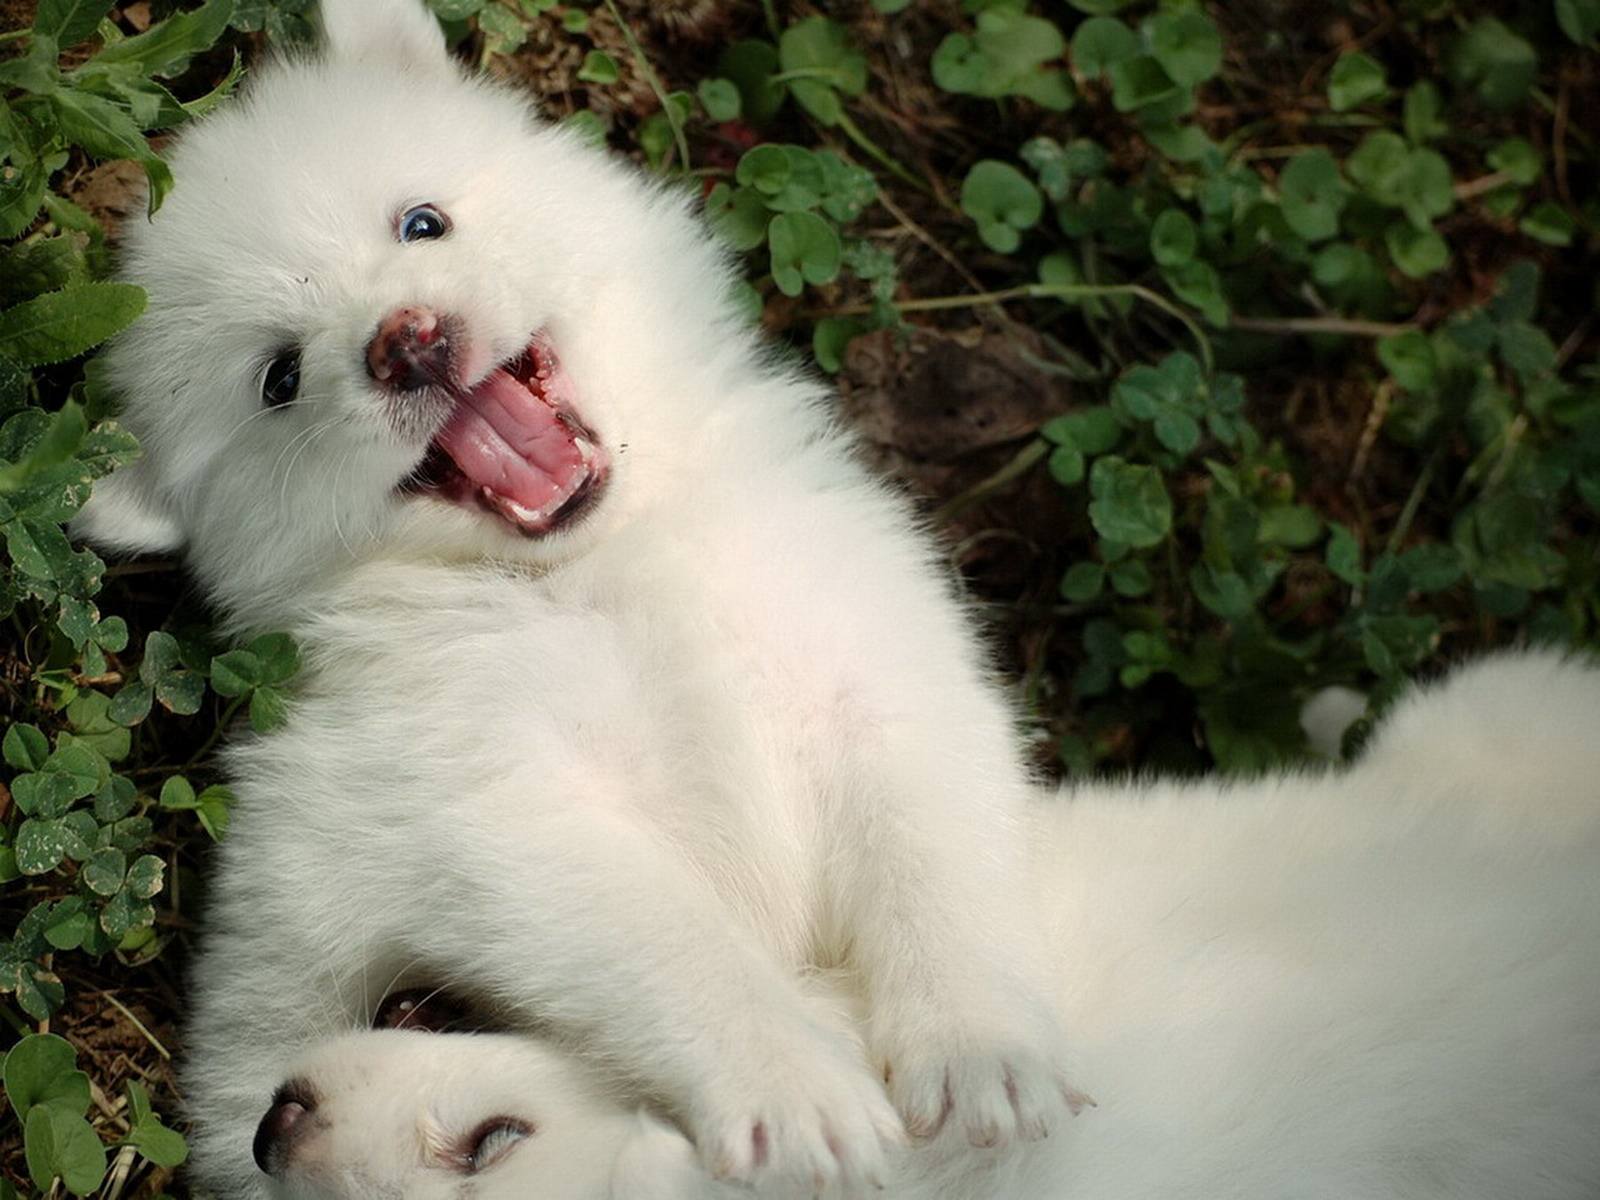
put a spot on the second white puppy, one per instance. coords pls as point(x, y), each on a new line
point(1379, 984)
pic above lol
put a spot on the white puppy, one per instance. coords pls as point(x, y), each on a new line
point(629, 692)
point(1378, 984)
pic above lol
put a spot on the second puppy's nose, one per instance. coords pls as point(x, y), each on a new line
point(284, 1123)
point(411, 350)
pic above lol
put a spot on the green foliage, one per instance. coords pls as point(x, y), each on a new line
point(1003, 201)
point(796, 203)
point(85, 850)
point(1355, 79)
point(721, 99)
point(1008, 54)
point(821, 66)
point(1100, 43)
point(101, 105)
point(598, 67)
point(257, 674)
point(1312, 195)
point(1204, 556)
point(805, 249)
point(61, 325)
point(1186, 45)
point(1187, 276)
point(50, 1095)
point(1493, 63)
point(211, 806)
point(752, 67)
point(1130, 505)
point(1579, 19)
point(502, 29)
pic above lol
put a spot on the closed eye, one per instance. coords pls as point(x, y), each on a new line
point(491, 1141)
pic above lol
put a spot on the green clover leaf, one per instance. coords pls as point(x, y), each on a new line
point(1003, 201)
point(1312, 194)
point(804, 249)
point(1355, 79)
point(1130, 502)
point(1186, 44)
point(819, 62)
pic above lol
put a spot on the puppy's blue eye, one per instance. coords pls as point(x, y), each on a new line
point(422, 223)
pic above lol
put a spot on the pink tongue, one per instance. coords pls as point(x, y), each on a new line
point(504, 438)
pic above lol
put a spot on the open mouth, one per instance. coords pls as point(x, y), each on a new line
point(425, 1010)
point(516, 447)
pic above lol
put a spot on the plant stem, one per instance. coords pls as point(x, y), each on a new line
point(1338, 325)
point(824, 73)
point(1413, 502)
point(774, 27)
point(1508, 451)
point(154, 1041)
point(1053, 291)
point(14, 35)
point(1023, 462)
point(650, 77)
point(1543, 100)
point(1480, 185)
point(1315, 596)
point(216, 734)
point(879, 155)
point(22, 1028)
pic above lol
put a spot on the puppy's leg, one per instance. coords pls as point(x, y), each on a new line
point(930, 859)
point(602, 931)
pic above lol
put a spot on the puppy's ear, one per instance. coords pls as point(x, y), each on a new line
point(658, 1163)
point(124, 512)
point(402, 33)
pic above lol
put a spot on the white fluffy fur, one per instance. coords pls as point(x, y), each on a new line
point(1375, 984)
point(627, 778)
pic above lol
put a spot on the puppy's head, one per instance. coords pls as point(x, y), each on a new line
point(392, 313)
point(495, 1117)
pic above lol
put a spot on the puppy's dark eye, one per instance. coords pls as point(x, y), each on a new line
point(282, 380)
point(422, 223)
point(491, 1141)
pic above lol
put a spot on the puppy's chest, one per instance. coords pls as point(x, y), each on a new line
point(728, 695)
point(654, 691)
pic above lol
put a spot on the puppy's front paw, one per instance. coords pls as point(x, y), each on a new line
point(993, 1085)
point(813, 1119)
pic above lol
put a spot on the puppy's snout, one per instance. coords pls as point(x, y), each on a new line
point(284, 1125)
point(411, 349)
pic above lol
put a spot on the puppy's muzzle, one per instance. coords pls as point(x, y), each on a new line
point(413, 348)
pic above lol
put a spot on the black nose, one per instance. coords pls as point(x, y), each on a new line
point(411, 349)
point(285, 1122)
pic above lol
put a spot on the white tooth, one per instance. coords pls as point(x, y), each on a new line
point(585, 450)
point(524, 513)
point(506, 506)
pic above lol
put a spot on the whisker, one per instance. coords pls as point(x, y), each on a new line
point(305, 441)
point(309, 431)
point(333, 493)
point(261, 412)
